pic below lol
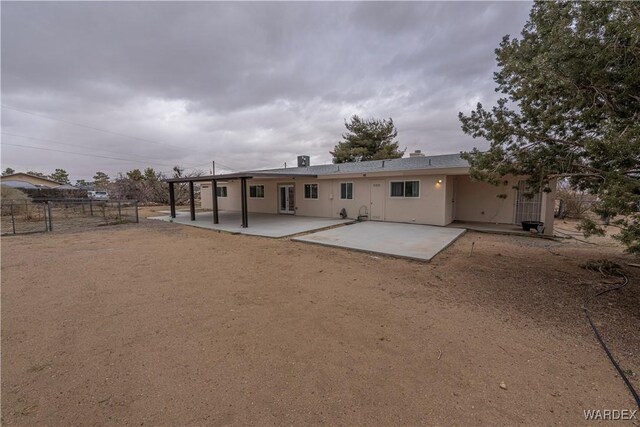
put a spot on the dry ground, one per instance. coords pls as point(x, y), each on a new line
point(162, 324)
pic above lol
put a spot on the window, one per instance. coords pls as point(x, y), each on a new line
point(256, 191)
point(222, 191)
point(346, 190)
point(405, 189)
point(412, 189)
point(311, 191)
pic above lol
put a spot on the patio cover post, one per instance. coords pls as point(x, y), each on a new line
point(214, 198)
point(192, 202)
point(245, 216)
point(172, 200)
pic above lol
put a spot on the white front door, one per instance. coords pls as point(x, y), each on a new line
point(287, 199)
point(377, 200)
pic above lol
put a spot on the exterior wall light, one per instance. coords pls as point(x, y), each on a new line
point(439, 181)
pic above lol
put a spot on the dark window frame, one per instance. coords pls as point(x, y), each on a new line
point(346, 190)
point(254, 193)
point(308, 191)
point(222, 191)
point(409, 189)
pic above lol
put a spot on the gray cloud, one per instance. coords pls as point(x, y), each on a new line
point(248, 84)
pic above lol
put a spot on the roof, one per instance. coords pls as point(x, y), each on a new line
point(17, 184)
point(248, 175)
point(16, 177)
point(445, 161)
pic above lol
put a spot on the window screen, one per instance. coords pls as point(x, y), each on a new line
point(397, 189)
point(346, 190)
point(412, 189)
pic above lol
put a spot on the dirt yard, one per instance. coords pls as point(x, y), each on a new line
point(162, 324)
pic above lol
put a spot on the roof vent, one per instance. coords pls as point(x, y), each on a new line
point(304, 161)
point(417, 153)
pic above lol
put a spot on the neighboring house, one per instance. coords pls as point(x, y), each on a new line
point(27, 181)
point(433, 190)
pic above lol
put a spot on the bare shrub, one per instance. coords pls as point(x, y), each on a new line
point(573, 203)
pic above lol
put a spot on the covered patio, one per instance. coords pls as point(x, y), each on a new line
point(266, 225)
point(243, 177)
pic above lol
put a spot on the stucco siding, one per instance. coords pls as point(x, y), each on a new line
point(442, 199)
point(449, 183)
point(266, 204)
point(361, 197)
point(206, 196)
point(229, 203)
point(314, 207)
point(428, 208)
point(479, 201)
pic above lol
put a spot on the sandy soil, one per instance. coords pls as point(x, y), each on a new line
point(162, 324)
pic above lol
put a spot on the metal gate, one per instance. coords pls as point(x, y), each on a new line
point(527, 208)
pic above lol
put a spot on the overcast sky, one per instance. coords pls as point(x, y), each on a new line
point(250, 85)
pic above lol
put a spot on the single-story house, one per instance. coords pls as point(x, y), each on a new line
point(28, 181)
point(419, 189)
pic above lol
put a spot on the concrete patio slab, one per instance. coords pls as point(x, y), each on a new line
point(266, 225)
point(420, 242)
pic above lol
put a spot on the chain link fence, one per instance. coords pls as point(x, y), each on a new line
point(21, 217)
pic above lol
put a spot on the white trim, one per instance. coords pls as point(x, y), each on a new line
point(278, 199)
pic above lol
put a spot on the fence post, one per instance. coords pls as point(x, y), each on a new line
point(50, 217)
point(44, 214)
point(119, 211)
point(91, 206)
point(137, 217)
point(13, 219)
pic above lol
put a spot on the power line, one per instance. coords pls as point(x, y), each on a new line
point(148, 159)
point(72, 145)
point(83, 154)
point(90, 127)
point(8, 107)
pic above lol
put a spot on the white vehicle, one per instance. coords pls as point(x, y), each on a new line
point(98, 195)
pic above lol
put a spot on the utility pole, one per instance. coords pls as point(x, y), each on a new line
point(213, 167)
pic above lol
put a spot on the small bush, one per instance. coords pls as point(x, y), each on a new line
point(10, 194)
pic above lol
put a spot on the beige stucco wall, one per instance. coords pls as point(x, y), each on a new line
point(479, 201)
point(361, 197)
point(430, 207)
point(229, 203)
point(456, 197)
point(449, 183)
point(322, 206)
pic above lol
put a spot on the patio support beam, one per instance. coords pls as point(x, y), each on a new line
point(214, 200)
point(245, 215)
point(172, 200)
point(192, 202)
